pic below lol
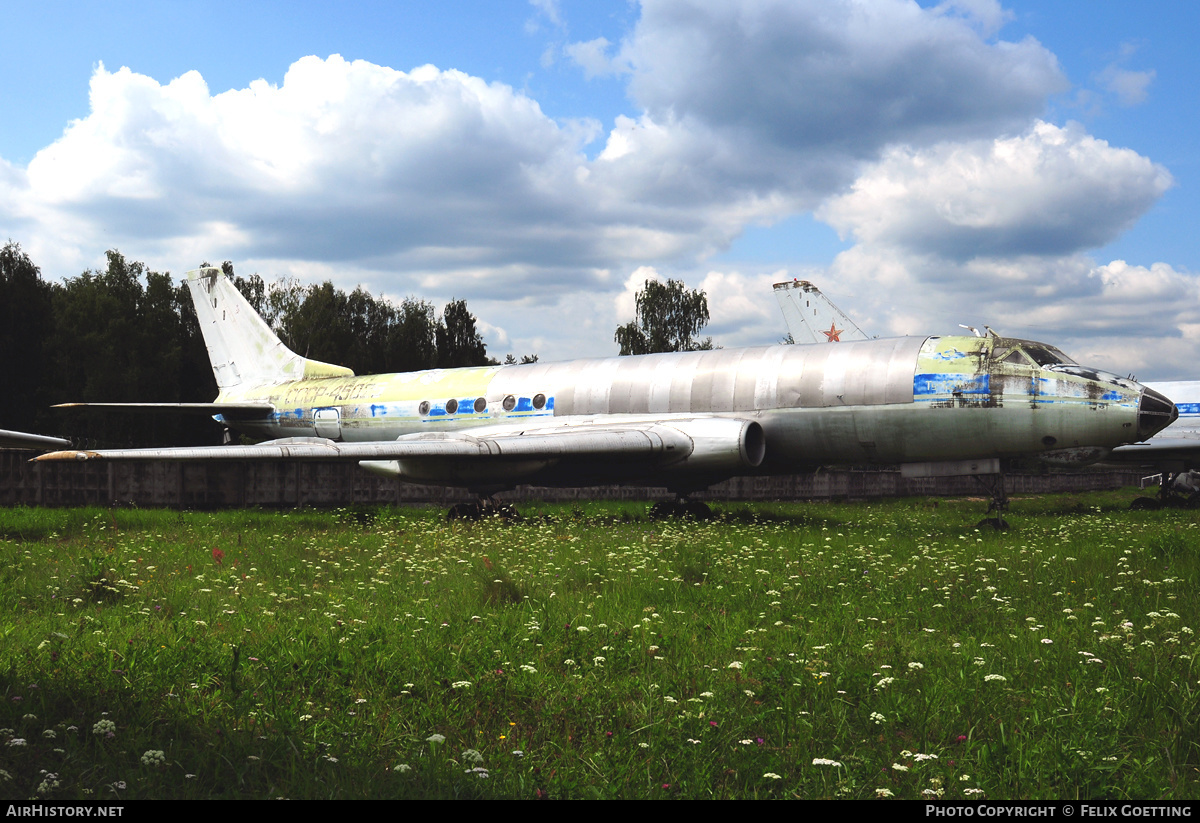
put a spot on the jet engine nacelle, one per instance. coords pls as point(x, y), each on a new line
point(720, 445)
point(688, 451)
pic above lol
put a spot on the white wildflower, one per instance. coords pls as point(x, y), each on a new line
point(153, 757)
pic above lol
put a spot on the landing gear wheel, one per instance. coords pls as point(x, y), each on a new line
point(463, 511)
point(995, 523)
point(679, 509)
point(485, 508)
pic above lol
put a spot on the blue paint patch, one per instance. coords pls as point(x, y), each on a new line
point(944, 384)
point(1188, 409)
point(1112, 396)
point(550, 404)
point(524, 404)
point(953, 354)
point(378, 410)
point(437, 412)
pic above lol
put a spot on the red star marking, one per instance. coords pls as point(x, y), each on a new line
point(834, 334)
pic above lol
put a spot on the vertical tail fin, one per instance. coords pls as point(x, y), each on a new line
point(242, 349)
point(807, 312)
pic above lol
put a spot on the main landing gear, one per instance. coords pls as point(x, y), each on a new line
point(994, 483)
point(680, 508)
point(484, 508)
point(1176, 490)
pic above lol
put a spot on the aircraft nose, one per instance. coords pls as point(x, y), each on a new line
point(1155, 413)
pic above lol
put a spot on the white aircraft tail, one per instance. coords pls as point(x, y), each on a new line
point(243, 350)
point(811, 317)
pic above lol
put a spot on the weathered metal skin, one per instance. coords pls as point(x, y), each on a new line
point(1177, 446)
point(685, 420)
point(877, 401)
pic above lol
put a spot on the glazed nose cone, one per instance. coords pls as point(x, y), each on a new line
point(1155, 413)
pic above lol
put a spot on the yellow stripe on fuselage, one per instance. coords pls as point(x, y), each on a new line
point(435, 384)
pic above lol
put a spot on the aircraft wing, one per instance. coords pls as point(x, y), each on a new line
point(506, 455)
point(590, 441)
point(22, 440)
point(1157, 450)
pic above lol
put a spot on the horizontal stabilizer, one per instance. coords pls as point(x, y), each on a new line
point(230, 411)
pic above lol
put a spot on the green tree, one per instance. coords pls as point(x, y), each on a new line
point(26, 316)
point(126, 334)
point(413, 339)
point(367, 334)
point(668, 318)
point(458, 342)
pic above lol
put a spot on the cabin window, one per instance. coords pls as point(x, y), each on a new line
point(423, 409)
point(480, 405)
point(539, 401)
point(509, 403)
point(451, 406)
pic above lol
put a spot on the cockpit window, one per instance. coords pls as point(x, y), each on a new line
point(1046, 355)
point(1016, 357)
point(1028, 353)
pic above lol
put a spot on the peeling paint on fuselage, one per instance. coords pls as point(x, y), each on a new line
point(874, 401)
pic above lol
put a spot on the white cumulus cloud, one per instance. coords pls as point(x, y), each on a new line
point(1050, 190)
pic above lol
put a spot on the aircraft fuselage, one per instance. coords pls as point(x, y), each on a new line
point(870, 402)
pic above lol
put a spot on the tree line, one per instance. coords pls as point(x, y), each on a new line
point(129, 334)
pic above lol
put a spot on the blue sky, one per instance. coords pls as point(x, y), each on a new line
point(1026, 165)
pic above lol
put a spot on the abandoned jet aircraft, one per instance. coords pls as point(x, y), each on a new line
point(953, 405)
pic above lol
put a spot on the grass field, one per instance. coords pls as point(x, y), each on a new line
point(800, 650)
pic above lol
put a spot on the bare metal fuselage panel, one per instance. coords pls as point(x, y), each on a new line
point(889, 401)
